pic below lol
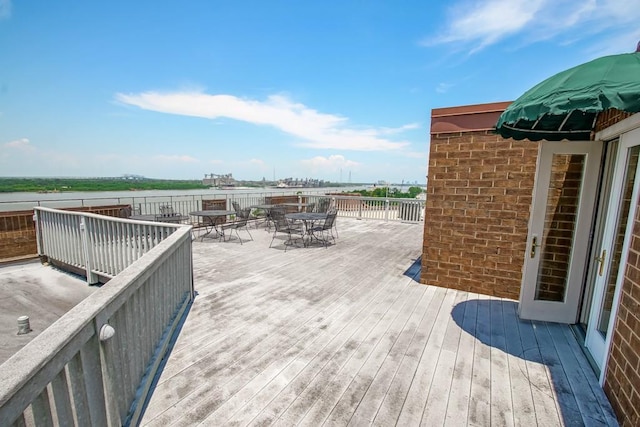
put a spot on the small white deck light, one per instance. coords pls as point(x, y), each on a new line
point(106, 332)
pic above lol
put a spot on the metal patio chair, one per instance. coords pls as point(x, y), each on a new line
point(326, 229)
point(283, 226)
point(323, 205)
point(241, 221)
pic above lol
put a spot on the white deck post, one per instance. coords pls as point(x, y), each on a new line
point(88, 254)
point(36, 220)
point(386, 209)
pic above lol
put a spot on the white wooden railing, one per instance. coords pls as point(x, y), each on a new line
point(101, 246)
point(96, 364)
point(380, 208)
point(388, 209)
point(183, 202)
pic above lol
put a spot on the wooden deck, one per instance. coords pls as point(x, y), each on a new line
point(345, 336)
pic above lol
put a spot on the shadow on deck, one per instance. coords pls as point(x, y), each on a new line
point(540, 358)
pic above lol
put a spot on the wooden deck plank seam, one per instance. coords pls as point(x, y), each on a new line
point(401, 383)
point(283, 368)
point(252, 347)
point(364, 344)
point(368, 408)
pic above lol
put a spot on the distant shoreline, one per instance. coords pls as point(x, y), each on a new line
point(70, 185)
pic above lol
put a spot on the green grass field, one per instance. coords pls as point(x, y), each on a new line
point(8, 185)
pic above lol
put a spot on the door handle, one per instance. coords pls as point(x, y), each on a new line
point(601, 259)
point(534, 245)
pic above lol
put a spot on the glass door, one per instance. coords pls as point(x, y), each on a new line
point(559, 230)
point(611, 256)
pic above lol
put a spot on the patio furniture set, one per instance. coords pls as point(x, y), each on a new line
point(305, 224)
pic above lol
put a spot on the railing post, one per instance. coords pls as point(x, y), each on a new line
point(87, 252)
point(386, 209)
point(360, 208)
point(36, 220)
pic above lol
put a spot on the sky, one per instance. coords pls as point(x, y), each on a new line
point(335, 90)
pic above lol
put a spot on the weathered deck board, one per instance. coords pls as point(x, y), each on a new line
point(341, 336)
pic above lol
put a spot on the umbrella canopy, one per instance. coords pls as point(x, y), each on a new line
point(565, 106)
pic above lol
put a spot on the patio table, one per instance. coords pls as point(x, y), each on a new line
point(210, 220)
point(267, 208)
point(308, 218)
point(295, 204)
point(174, 219)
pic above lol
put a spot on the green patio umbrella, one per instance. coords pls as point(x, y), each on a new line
point(565, 106)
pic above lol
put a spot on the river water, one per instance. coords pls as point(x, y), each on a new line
point(25, 201)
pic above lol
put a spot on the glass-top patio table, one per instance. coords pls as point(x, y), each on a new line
point(309, 219)
point(211, 221)
point(174, 219)
point(266, 207)
point(295, 204)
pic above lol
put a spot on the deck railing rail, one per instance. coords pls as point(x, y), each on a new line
point(98, 244)
point(96, 364)
point(389, 209)
point(183, 203)
point(378, 208)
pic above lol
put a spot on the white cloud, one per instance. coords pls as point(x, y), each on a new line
point(175, 158)
point(215, 162)
point(5, 9)
point(444, 87)
point(393, 131)
point(22, 144)
point(332, 163)
point(486, 22)
point(257, 162)
point(478, 24)
point(315, 129)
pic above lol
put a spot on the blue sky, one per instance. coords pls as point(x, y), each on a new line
point(327, 89)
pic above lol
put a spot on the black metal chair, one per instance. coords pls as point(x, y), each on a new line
point(241, 221)
point(326, 229)
point(283, 226)
point(323, 205)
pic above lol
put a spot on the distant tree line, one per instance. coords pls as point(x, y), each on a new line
point(42, 185)
point(394, 192)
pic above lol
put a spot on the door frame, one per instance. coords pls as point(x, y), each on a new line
point(630, 130)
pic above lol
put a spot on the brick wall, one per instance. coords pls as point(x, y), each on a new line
point(214, 204)
point(479, 194)
point(18, 232)
point(609, 118)
point(17, 235)
point(276, 200)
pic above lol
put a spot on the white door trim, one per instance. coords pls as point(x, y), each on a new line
point(627, 140)
point(623, 126)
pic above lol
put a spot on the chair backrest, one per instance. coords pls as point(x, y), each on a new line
point(323, 205)
point(331, 217)
point(236, 206)
point(311, 207)
point(243, 216)
point(166, 210)
point(279, 220)
point(125, 212)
